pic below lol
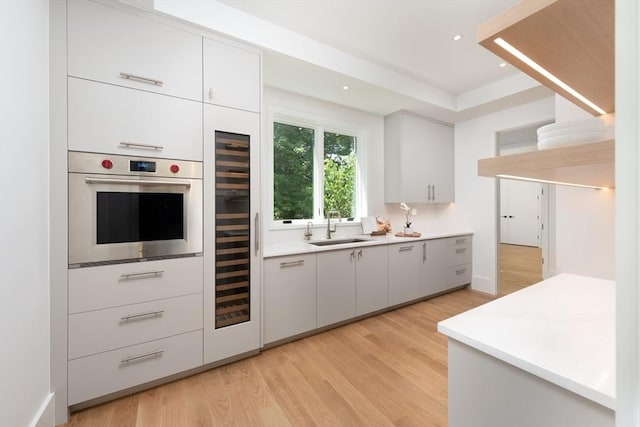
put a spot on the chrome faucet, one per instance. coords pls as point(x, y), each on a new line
point(308, 233)
point(329, 230)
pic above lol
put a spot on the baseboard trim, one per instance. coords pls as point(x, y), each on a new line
point(45, 416)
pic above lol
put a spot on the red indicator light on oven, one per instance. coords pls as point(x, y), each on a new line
point(107, 164)
point(174, 168)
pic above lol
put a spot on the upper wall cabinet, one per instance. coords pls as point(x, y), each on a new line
point(111, 46)
point(419, 164)
point(571, 39)
point(231, 76)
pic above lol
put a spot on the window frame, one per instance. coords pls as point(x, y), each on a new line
point(320, 125)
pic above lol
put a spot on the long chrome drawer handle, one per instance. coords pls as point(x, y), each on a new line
point(145, 146)
point(459, 251)
point(292, 263)
point(154, 353)
point(406, 248)
point(146, 273)
point(458, 272)
point(142, 315)
point(142, 79)
point(458, 241)
point(135, 182)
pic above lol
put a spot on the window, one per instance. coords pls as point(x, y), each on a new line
point(314, 171)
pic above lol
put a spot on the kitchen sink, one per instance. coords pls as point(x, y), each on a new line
point(339, 241)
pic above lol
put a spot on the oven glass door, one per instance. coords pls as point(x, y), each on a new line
point(114, 219)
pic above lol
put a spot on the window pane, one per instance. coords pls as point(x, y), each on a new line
point(292, 172)
point(340, 174)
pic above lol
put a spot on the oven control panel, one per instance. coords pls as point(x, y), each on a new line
point(113, 164)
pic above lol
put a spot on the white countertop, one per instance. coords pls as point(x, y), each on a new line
point(561, 329)
point(303, 246)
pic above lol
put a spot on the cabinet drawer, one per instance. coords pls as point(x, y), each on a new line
point(104, 373)
point(102, 330)
point(458, 255)
point(94, 288)
point(460, 240)
point(112, 119)
point(289, 296)
point(104, 42)
point(459, 275)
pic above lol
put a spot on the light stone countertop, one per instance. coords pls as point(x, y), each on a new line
point(561, 329)
point(301, 246)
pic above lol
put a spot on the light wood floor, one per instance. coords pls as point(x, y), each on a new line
point(387, 370)
point(520, 266)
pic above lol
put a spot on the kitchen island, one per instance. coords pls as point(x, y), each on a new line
point(543, 356)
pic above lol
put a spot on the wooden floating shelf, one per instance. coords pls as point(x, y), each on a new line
point(590, 164)
point(572, 39)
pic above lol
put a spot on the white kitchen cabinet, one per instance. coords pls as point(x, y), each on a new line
point(111, 119)
point(372, 279)
point(405, 266)
point(232, 237)
point(336, 286)
point(103, 330)
point(459, 261)
point(289, 301)
point(232, 76)
point(103, 373)
point(434, 266)
point(108, 45)
point(419, 163)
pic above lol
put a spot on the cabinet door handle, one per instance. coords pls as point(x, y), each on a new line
point(424, 251)
point(406, 249)
point(433, 193)
point(360, 254)
point(141, 275)
point(210, 93)
point(353, 255)
point(154, 353)
point(459, 251)
point(126, 144)
point(429, 192)
point(298, 263)
point(458, 241)
point(143, 79)
point(142, 315)
point(257, 224)
point(461, 271)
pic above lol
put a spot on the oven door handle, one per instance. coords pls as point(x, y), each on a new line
point(135, 182)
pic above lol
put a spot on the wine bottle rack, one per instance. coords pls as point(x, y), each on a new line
point(233, 229)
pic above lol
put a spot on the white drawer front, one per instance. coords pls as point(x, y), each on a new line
point(104, 42)
point(112, 119)
point(94, 288)
point(459, 275)
point(460, 240)
point(104, 373)
point(459, 254)
point(103, 330)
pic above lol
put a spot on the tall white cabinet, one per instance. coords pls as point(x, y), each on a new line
point(419, 164)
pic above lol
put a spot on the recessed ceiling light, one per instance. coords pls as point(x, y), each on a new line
point(345, 87)
point(457, 37)
point(537, 67)
point(503, 64)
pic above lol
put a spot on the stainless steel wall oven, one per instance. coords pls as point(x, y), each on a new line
point(124, 209)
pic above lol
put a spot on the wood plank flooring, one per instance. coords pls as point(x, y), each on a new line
point(520, 266)
point(387, 370)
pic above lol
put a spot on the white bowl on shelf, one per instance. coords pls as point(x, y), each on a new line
point(585, 125)
point(570, 139)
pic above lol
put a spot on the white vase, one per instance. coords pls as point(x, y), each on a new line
point(408, 230)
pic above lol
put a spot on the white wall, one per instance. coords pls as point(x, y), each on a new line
point(585, 219)
point(371, 124)
point(475, 206)
point(24, 282)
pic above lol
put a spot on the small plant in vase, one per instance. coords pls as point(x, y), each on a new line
point(408, 213)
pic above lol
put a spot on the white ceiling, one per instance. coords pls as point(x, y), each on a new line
point(394, 54)
point(413, 37)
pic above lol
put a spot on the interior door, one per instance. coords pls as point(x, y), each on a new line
point(520, 212)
